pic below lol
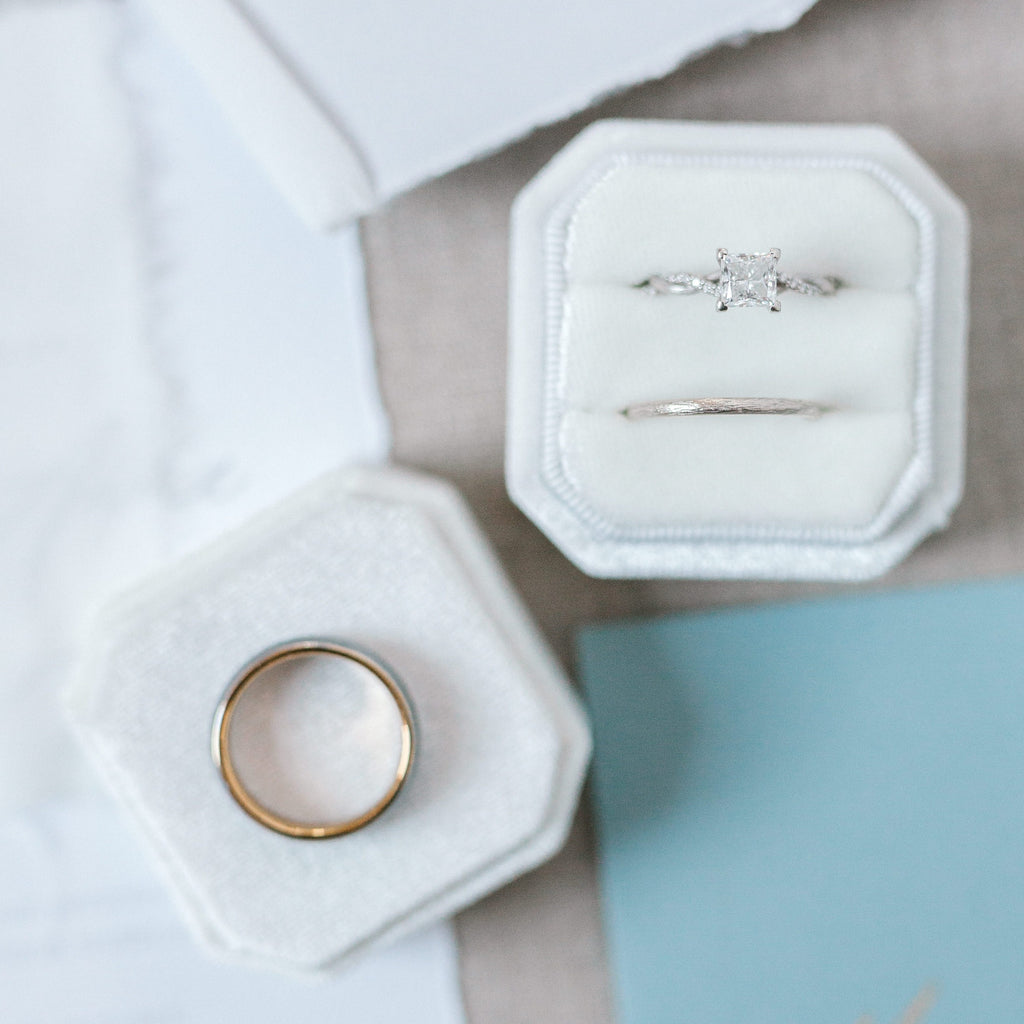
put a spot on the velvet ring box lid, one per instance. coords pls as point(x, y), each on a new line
point(391, 561)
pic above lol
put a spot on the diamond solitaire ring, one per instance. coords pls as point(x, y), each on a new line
point(743, 279)
point(725, 407)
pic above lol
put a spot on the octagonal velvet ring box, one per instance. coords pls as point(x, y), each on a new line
point(642, 259)
point(390, 561)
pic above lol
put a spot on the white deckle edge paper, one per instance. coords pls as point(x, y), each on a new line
point(379, 91)
point(177, 353)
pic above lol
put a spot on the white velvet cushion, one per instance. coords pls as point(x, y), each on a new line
point(854, 352)
point(392, 562)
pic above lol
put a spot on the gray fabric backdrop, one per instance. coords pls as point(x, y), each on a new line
point(948, 75)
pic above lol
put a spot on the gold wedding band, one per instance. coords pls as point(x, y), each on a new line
point(221, 747)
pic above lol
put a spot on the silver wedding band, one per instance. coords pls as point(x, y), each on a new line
point(725, 407)
point(742, 279)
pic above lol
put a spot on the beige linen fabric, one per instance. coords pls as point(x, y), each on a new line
point(946, 75)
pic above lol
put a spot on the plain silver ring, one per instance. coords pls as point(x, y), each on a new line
point(725, 407)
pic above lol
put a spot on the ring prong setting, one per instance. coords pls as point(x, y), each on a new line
point(749, 279)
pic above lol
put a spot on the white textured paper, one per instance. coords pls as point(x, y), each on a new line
point(259, 327)
point(88, 937)
point(83, 417)
point(415, 89)
point(176, 352)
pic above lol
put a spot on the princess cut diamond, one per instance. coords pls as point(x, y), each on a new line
point(748, 279)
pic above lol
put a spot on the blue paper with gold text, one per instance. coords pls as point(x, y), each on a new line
point(813, 813)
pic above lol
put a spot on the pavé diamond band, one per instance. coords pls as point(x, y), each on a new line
point(725, 407)
point(743, 279)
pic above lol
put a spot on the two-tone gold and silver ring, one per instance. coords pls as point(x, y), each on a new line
point(221, 737)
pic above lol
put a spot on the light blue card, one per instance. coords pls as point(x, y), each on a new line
point(814, 813)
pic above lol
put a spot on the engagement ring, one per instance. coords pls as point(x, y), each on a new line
point(743, 279)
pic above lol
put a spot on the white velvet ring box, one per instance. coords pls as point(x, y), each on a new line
point(844, 496)
point(390, 561)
